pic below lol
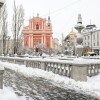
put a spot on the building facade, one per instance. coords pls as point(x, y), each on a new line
point(56, 46)
point(91, 40)
point(38, 34)
point(70, 41)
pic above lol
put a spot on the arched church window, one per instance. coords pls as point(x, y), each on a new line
point(37, 26)
point(48, 25)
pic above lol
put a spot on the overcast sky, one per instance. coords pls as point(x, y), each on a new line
point(63, 13)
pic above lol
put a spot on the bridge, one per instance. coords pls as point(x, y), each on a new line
point(75, 68)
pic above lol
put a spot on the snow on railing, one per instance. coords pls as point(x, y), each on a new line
point(77, 69)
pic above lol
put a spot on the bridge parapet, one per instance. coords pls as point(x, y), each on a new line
point(76, 68)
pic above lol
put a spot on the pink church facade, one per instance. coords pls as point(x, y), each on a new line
point(38, 32)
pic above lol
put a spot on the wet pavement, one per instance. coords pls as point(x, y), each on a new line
point(40, 89)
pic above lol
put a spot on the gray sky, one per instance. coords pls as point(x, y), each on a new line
point(63, 13)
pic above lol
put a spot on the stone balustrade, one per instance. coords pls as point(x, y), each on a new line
point(75, 69)
point(1, 76)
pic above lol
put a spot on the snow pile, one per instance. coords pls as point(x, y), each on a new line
point(8, 94)
point(86, 61)
point(92, 86)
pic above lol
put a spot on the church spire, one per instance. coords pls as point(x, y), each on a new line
point(37, 14)
point(49, 18)
point(49, 21)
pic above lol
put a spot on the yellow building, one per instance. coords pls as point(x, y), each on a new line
point(70, 40)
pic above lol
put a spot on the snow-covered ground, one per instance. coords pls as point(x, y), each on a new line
point(92, 86)
point(7, 93)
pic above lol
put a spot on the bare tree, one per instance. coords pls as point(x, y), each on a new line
point(18, 20)
point(4, 29)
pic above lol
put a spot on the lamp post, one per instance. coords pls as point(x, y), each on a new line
point(91, 27)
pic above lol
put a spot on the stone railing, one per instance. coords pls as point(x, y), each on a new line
point(1, 76)
point(73, 68)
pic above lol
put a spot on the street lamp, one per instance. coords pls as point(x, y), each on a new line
point(91, 27)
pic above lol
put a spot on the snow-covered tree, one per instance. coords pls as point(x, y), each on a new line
point(17, 25)
point(4, 30)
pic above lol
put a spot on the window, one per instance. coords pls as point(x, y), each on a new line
point(94, 37)
point(97, 43)
point(97, 36)
point(37, 26)
point(48, 25)
point(88, 43)
point(94, 44)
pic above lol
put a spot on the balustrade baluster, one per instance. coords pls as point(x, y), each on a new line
point(50, 67)
point(95, 70)
point(64, 73)
point(60, 71)
point(53, 65)
point(69, 70)
point(47, 66)
point(56, 71)
point(30, 65)
point(14, 61)
point(58, 68)
point(98, 69)
point(38, 65)
point(90, 71)
point(33, 64)
point(55, 68)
